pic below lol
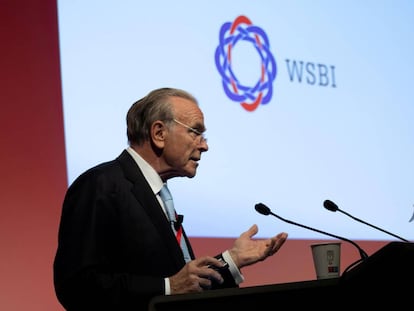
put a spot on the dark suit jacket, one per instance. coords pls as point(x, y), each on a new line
point(115, 245)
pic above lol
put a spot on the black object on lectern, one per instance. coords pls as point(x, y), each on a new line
point(381, 280)
point(389, 272)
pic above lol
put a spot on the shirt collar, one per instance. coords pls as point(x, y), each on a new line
point(152, 177)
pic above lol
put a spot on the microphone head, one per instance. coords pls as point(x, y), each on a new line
point(329, 205)
point(262, 209)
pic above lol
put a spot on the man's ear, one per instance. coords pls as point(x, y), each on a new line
point(158, 133)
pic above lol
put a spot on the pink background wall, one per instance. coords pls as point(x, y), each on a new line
point(33, 170)
point(33, 176)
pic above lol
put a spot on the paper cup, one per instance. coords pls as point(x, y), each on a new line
point(326, 258)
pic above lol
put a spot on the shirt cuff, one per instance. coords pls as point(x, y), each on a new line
point(167, 286)
point(234, 270)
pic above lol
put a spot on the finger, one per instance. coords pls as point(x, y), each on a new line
point(252, 231)
point(212, 273)
point(277, 243)
point(281, 239)
point(206, 261)
point(282, 236)
point(204, 283)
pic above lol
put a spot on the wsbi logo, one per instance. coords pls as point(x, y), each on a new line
point(251, 97)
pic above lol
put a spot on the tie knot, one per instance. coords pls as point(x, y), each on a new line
point(165, 193)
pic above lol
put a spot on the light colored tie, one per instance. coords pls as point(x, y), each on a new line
point(172, 217)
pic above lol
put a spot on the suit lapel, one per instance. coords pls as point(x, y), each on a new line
point(147, 200)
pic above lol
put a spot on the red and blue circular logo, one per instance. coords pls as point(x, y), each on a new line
point(249, 96)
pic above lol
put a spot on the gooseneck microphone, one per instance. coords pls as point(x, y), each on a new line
point(264, 210)
point(331, 206)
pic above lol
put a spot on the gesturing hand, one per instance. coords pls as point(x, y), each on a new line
point(247, 251)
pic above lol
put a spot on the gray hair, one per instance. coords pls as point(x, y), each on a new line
point(152, 107)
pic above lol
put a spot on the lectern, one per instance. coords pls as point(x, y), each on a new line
point(387, 273)
point(266, 297)
point(383, 279)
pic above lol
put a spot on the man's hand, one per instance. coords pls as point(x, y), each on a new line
point(247, 251)
point(196, 276)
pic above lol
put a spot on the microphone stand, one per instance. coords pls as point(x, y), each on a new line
point(331, 206)
point(264, 210)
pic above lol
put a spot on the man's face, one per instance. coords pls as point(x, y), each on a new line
point(185, 141)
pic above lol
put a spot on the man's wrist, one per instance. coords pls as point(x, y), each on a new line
point(234, 270)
